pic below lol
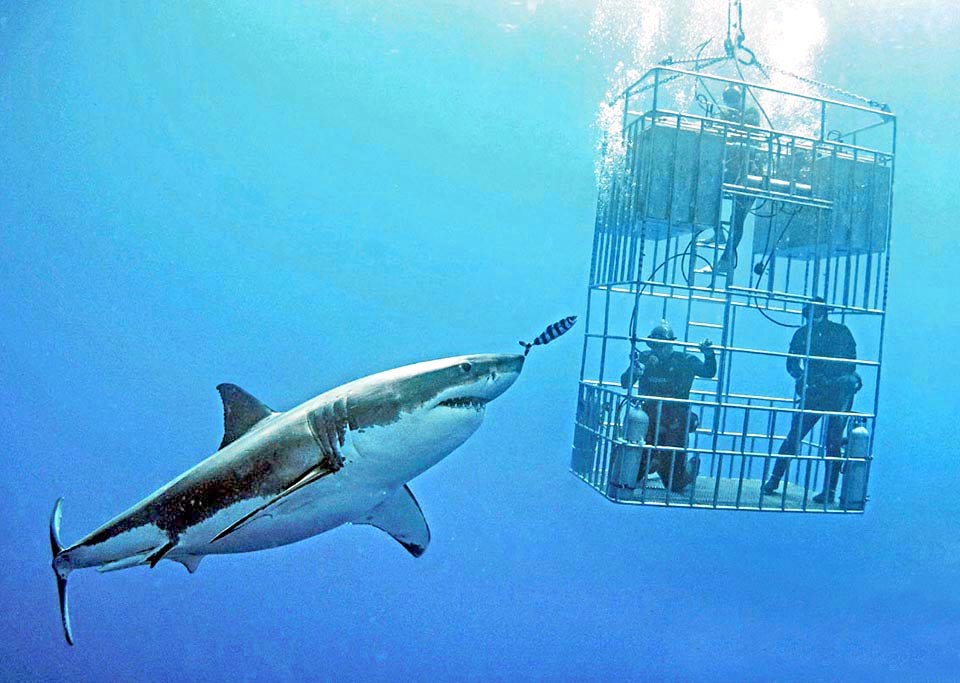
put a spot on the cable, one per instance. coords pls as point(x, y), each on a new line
point(735, 50)
point(686, 252)
point(766, 264)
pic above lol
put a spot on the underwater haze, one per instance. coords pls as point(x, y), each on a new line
point(288, 196)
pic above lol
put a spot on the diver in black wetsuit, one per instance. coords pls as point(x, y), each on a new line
point(830, 386)
point(740, 160)
point(668, 373)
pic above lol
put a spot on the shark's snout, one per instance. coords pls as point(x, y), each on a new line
point(506, 372)
point(497, 373)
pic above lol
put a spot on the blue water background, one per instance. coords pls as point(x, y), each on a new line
point(289, 197)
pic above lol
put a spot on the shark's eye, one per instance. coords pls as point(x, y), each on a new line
point(466, 367)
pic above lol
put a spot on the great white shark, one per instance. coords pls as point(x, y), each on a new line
point(342, 457)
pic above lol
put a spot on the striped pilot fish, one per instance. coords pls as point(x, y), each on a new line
point(552, 332)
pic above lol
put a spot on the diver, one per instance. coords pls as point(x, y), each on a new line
point(830, 386)
point(661, 371)
point(739, 161)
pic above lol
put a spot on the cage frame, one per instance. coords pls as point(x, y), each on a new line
point(617, 269)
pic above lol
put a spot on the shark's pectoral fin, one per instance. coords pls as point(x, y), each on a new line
point(153, 558)
point(241, 411)
point(401, 517)
point(311, 476)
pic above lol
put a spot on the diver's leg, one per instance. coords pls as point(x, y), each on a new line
point(673, 463)
point(671, 469)
point(649, 457)
point(835, 427)
point(661, 459)
point(741, 208)
point(800, 426)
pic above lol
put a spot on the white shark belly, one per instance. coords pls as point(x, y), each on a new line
point(377, 461)
point(398, 453)
point(138, 541)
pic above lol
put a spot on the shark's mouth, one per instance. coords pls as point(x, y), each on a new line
point(465, 402)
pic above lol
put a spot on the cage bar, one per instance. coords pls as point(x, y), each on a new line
point(813, 194)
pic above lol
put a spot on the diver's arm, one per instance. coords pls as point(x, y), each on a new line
point(634, 370)
point(639, 363)
point(797, 345)
point(848, 349)
point(708, 368)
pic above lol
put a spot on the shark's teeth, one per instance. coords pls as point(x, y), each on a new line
point(465, 402)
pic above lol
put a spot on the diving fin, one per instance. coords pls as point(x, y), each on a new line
point(56, 548)
point(308, 478)
point(401, 517)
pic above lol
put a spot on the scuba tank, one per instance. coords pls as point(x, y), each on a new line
point(628, 449)
point(635, 424)
point(853, 490)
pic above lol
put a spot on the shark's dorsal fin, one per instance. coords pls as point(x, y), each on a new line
point(401, 517)
point(241, 411)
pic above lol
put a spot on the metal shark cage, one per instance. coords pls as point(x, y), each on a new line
point(817, 191)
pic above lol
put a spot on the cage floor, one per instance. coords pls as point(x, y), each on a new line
point(730, 494)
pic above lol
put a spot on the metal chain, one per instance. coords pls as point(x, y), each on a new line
point(708, 61)
point(734, 44)
point(736, 6)
point(827, 86)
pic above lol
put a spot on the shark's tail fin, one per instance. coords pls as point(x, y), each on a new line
point(56, 548)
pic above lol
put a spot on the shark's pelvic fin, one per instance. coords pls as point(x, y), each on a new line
point(56, 548)
point(401, 517)
point(125, 563)
point(152, 558)
point(311, 476)
point(241, 411)
point(191, 562)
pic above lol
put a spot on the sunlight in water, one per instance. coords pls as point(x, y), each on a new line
point(633, 35)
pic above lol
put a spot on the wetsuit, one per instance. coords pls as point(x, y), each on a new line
point(670, 378)
point(740, 160)
point(830, 386)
